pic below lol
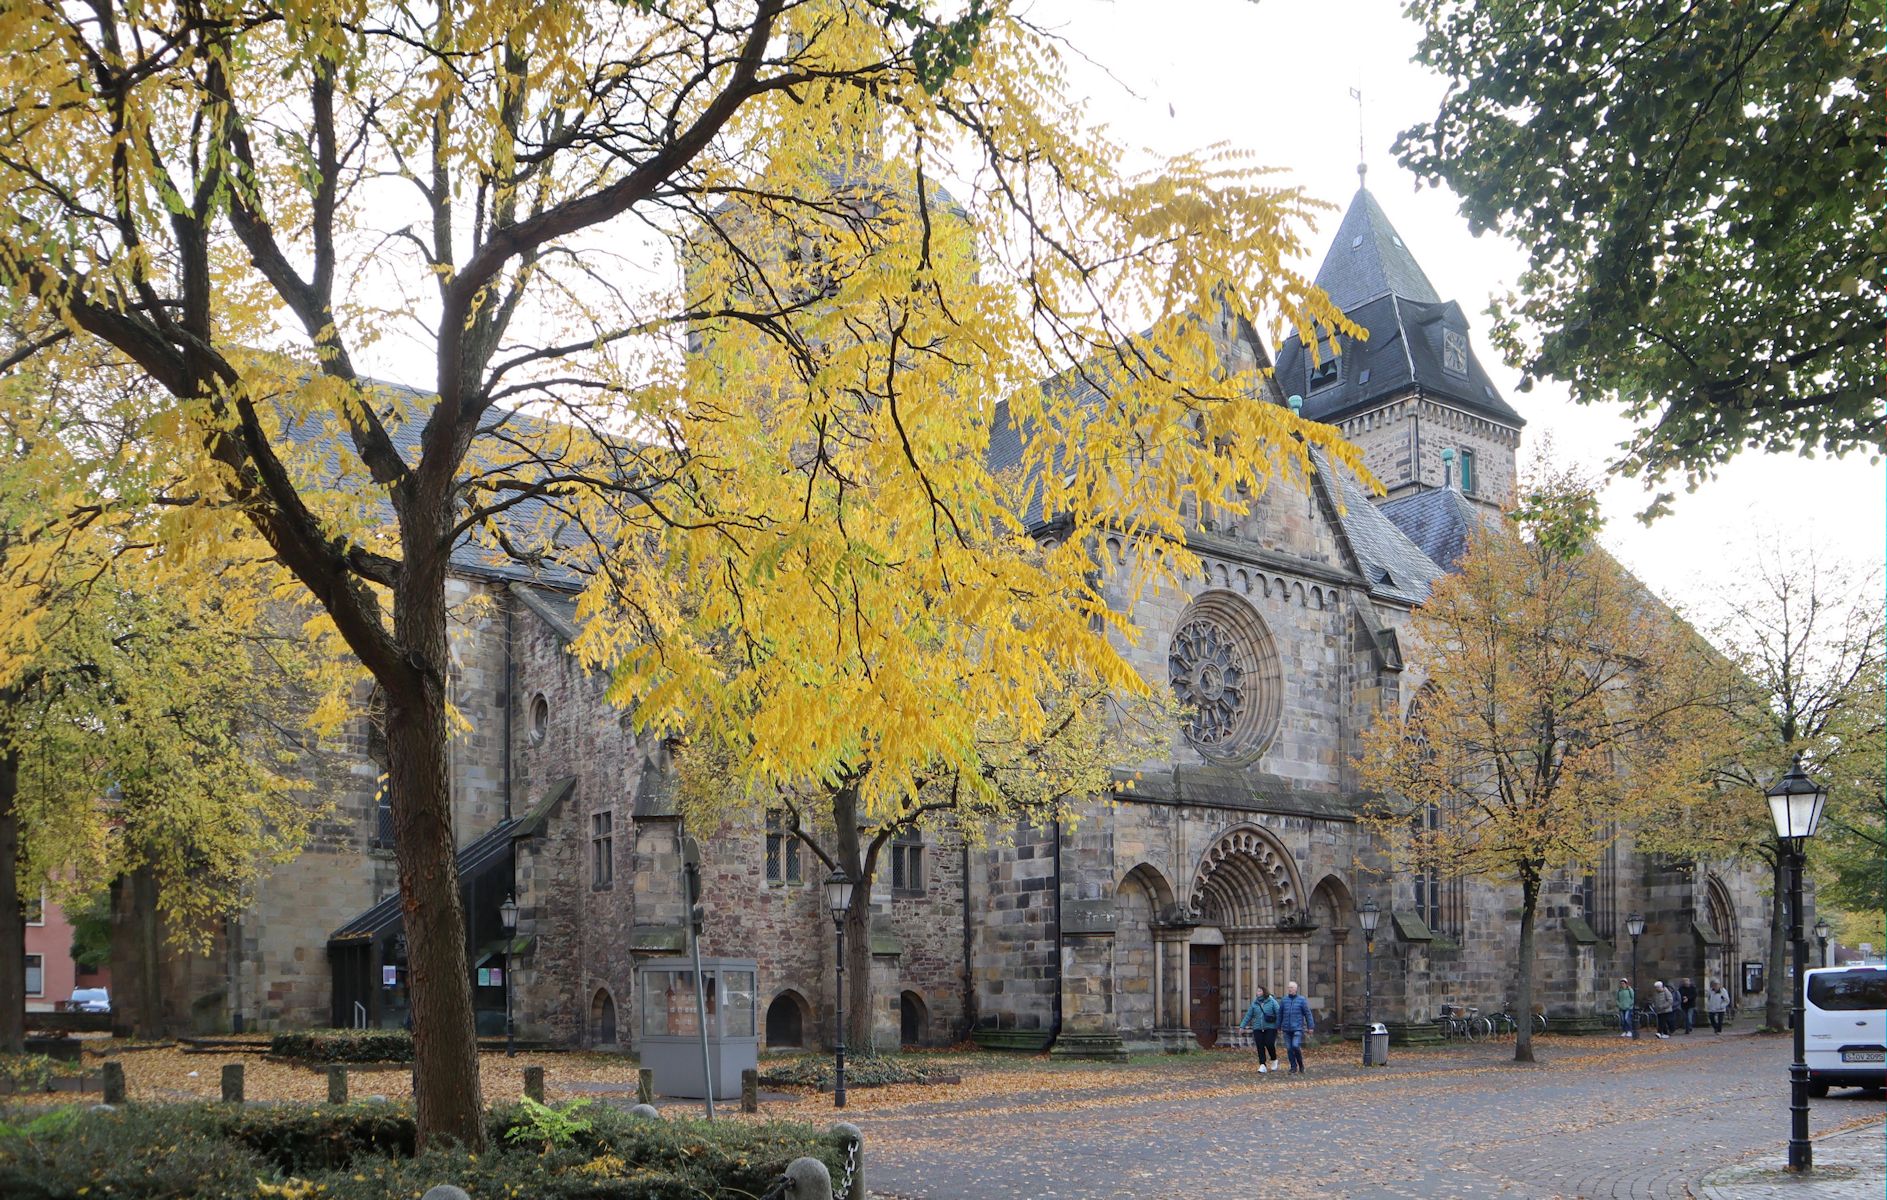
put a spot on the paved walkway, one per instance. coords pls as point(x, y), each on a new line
point(1851, 1165)
point(1598, 1117)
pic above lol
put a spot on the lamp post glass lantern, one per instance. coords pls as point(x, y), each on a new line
point(1634, 925)
point(1795, 805)
point(1823, 931)
point(1368, 915)
point(839, 900)
point(508, 916)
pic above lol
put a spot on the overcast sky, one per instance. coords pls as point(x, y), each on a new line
point(1274, 77)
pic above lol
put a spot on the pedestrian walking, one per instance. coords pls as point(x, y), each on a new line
point(1627, 1000)
point(1294, 1022)
point(1716, 1003)
point(1687, 1003)
point(1261, 1017)
point(1662, 1004)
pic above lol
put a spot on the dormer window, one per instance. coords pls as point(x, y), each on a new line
point(1325, 372)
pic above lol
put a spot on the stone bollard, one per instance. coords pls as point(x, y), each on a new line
point(855, 1160)
point(232, 1083)
point(114, 1083)
point(337, 1085)
point(750, 1091)
point(808, 1179)
point(445, 1191)
point(647, 1111)
point(645, 1086)
point(534, 1083)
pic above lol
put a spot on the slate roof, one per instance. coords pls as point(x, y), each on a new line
point(1393, 566)
point(1375, 280)
point(531, 524)
point(1438, 521)
point(1368, 260)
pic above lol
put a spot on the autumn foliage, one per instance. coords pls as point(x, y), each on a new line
point(1563, 703)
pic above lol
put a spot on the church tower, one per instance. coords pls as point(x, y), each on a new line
point(1413, 396)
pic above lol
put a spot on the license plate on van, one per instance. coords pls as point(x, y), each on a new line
point(1864, 1055)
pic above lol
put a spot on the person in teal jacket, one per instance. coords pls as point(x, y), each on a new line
point(1262, 1019)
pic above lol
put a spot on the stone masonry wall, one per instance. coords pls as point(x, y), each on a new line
point(1402, 441)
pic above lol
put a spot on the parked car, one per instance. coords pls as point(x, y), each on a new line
point(91, 1000)
point(1844, 1027)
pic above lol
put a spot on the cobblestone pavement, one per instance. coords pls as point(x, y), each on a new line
point(1597, 1117)
point(1851, 1165)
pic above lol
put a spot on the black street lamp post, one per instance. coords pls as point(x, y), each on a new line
point(1369, 914)
point(508, 914)
point(1823, 931)
point(1634, 925)
point(839, 900)
point(1795, 805)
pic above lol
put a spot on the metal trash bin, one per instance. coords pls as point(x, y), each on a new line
point(1376, 1046)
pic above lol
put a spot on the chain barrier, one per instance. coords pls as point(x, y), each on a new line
point(843, 1187)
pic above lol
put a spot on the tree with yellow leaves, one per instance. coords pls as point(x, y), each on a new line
point(1562, 702)
point(550, 205)
point(139, 727)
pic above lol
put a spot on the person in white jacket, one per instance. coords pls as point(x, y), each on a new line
point(1716, 1003)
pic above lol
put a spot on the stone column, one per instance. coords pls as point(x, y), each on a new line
point(1174, 1016)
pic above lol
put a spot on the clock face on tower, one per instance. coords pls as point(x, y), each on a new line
point(1223, 668)
point(1454, 352)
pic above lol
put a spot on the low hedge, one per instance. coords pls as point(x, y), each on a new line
point(344, 1045)
point(365, 1152)
point(35, 1072)
point(867, 1070)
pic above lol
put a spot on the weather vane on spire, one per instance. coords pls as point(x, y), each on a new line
point(1362, 167)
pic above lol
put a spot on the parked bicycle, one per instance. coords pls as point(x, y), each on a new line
point(1505, 1024)
point(1457, 1021)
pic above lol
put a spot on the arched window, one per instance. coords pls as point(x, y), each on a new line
point(786, 1022)
point(602, 1018)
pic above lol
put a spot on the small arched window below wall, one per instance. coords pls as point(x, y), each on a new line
point(602, 1018)
point(786, 1022)
point(913, 1019)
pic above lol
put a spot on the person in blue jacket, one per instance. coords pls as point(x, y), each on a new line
point(1262, 1019)
point(1294, 1022)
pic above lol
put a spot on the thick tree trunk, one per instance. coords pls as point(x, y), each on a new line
point(12, 919)
point(137, 998)
point(860, 1022)
point(445, 1045)
point(1523, 1006)
point(1776, 992)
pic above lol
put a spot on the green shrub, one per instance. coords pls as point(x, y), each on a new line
point(295, 1140)
point(34, 1072)
point(132, 1153)
point(365, 1152)
point(344, 1045)
point(867, 1070)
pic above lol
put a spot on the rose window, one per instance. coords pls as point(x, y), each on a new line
point(1224, 670)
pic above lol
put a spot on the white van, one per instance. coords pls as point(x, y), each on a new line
point(1844, 1027)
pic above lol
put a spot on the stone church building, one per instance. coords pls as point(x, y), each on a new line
point(1236, 861)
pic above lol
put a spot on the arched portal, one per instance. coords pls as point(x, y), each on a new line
point(1141, 996)
point(913, 1019)
point(602, 1018)
point(1252, 929)
point(1720, 960)
point(1332, 994)
point(786, 1021)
